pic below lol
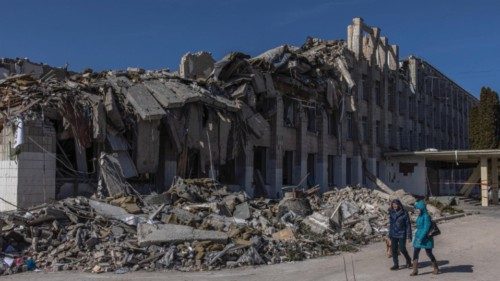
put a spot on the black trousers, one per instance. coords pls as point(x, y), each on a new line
point(401, 244)
point(416, 252)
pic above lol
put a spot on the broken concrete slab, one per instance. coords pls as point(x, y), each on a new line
point(151, 234)
point(196, 65)
point(299, 206)
point(318, 223)
point(348, 209)
point(112, 111)
point(144, 103)
point(242, 211)
point(114, 212)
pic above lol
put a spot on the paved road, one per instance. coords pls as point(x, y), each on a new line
point(468, 250)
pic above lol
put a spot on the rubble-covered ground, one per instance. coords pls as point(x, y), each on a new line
point(196, 225)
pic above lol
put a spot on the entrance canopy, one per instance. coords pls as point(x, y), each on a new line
point(484, 161)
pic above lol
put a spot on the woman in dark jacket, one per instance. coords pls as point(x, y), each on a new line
point(399, 232)
point(422, 240)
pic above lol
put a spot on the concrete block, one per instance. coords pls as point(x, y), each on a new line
point(150, 234)
point(242, 211)
point(113, 212)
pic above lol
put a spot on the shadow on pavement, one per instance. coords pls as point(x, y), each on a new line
point(465, 268)
point(428, 263)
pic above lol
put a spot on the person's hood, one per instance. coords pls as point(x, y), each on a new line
point(397, 202)
point(420, 204)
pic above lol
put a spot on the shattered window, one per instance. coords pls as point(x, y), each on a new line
point(288, 167)
point(402, 103)
point(311, 120)
point(366, 132)
point(411, 141)
point(392, 94)
point(349, 121)
point(332, 124)
point(402, 138)
point(289, 113)
point(331, 170)
point(378, 132)
point(366, 88)
point(378, 93)
point(391, 134)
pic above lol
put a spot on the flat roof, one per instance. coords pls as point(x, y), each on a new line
point(448, 155)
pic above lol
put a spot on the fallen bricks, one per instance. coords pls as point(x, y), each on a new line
point(196, 225)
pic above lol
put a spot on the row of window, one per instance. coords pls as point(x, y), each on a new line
point(313, 114)
point(288, 164)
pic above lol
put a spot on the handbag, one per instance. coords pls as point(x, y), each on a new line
point(433, 230)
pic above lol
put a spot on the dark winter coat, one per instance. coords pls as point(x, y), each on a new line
point(399, 222)
point(422, 241)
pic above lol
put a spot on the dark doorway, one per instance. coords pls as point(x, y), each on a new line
point(331, 170)
point(288, 168)
point(311, 169)
point(260, 161)
point(193, 164)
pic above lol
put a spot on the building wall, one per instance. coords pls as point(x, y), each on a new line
point(400, 106)
point(28, 173)
point(400, 175)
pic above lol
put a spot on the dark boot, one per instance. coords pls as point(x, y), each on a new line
point(436, 268)
point(415, 268)
point(394, 267)
point(408, 263)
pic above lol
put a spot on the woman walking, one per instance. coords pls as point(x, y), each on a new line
point(399, 232)
point(422, 240)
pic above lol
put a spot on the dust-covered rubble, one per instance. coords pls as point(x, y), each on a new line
point(196, 225)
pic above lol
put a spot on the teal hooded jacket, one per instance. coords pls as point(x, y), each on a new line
point(423, 226)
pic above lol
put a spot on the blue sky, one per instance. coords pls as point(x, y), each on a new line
point(461, 37)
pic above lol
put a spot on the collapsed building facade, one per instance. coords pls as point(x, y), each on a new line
point(322, 114)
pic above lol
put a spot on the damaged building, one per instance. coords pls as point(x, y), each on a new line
point(322, 114)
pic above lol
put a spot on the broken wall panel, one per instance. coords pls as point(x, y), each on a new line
point(147, 146)
point(144, 103)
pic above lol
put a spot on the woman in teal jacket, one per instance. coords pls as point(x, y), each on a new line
point(421, 239)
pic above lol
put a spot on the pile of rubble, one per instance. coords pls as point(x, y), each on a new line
point(124, 125)
point(196, 225)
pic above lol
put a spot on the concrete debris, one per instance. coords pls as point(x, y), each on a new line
point(149, 234)
point(284, 235)
point(299, 206)
point(146, 128)
point(197, 65)
point(348, 209)
point(318, 223)
point(181, 167)
point(242, 211)
point(197, 225)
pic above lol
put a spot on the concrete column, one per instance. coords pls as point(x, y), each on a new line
point(371, 165)
point(357, 37)
point(300, 158)
point(322, 161)
point(349, 36)
point(339, 170)
point(357, 170)
point(494, 180)
point(371, 113)
point(484, 182)
point(276, 152)
point(248, 170)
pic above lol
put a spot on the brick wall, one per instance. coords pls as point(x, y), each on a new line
point(27, 176)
